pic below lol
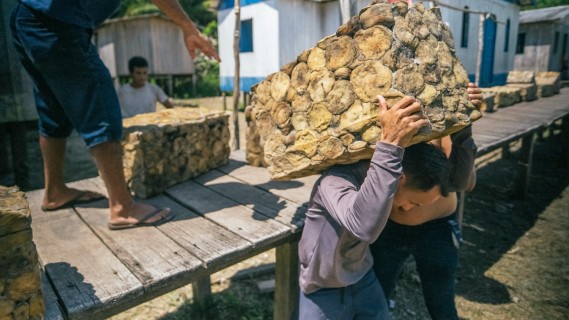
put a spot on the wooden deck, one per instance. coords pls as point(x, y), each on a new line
point(223, 217)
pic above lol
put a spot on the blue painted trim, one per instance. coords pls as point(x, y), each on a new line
point(245, 83)
point(228, 4)
point(499, 79)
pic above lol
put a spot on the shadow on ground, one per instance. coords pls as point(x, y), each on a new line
point(494, 221)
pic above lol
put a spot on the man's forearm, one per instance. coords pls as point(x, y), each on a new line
point(175, 12)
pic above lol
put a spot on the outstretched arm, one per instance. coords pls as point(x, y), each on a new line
point(193, 39)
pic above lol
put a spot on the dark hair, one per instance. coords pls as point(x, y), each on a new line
point(425, 166)
point(137, 62)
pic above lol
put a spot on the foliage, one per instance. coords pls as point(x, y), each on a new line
point(547, 4)
point(207, 71)
point(198, 10)
point(208, 77)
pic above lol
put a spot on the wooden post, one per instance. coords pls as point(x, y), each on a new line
point(201, 289)
point(237, 9)
point(564, 142)
point(224, 95)
point(170, 85)
point(506, 151)
point(194, 84)
point(286, 281)
point(480, 48)
point(347, 9)
point(524, 167)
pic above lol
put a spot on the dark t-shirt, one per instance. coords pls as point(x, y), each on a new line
point(83, 13)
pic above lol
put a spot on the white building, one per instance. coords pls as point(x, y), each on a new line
point(274, 32)
point(543, 40)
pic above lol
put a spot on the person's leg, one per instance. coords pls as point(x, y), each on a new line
point(389, 253)
point(368, 299)
point(76, 91)
point(53, 125)
point(437, 261)
point(324, 304)
point(124, 210)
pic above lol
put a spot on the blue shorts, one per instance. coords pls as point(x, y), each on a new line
point(72, 86)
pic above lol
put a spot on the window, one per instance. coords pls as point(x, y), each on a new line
point(507, 38)
point(521, 43)
point(246, 38)
point(465, 26)
point(556, 42)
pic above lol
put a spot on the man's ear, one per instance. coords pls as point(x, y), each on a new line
point(402, 178)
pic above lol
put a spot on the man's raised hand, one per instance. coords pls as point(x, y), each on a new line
point(401, 122)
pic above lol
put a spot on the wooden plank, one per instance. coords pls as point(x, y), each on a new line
point(296, 190)
point(509, 117)
point(506, 128)
point(86, 275)
point(157, 261)
point(206, 240)
point(249, 224)
point(541, 117)
point(547, 112)
point(52, 307)
point(282, 210)
point(286, 281)
point(201, 289)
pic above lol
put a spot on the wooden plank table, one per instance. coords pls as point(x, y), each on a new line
point(220, 220)
point(222, 217)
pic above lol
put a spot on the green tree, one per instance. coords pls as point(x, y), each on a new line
point(546, 4)
point(201, 12)
point(198, 10)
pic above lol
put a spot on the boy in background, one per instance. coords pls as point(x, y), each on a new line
point(139, 96)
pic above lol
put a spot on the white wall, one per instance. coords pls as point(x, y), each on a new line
point(282, 29)
point(265, 56)
point(503, 61)
point(303, 23)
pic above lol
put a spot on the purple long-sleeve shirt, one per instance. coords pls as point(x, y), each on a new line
point(348, 209)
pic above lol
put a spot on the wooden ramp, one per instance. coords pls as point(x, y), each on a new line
point(223, 217)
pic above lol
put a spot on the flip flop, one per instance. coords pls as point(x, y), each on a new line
point(76, 200)
point(142, 222)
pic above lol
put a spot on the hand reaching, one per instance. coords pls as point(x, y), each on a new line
point(195, 42)
point(475, 95)
point(400, 122)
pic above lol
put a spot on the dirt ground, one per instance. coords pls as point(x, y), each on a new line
point(514, 263)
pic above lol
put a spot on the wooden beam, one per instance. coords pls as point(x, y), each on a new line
point(564, 142)
point(286, 278)
point(201, 289)
point(524, 166)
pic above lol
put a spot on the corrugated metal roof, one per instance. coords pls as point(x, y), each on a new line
point(543, 15)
